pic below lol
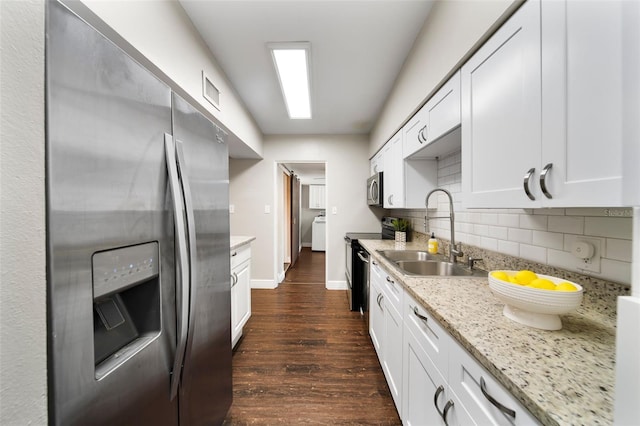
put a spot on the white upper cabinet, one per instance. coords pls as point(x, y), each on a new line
point(439, 116)
point(501, 118)
point(316, 196)
point(377, 163)
point(582, 103)
point(393, 178)
point(631, 102)
point(542, 107)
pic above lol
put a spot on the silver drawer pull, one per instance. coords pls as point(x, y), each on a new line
point(235, 253)
point(435, 398)
point(483, 388)
point(390, 281)
point(447, 407)
point(416, 313)
point(527, 178)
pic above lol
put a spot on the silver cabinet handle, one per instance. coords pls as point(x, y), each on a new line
point(527, 178)
point(390, 281)
point(421, 137)
point(232, 280)
point(416, 313)
point(435, 398)
point(380, 297)
point(374, 262)
point(505, 410)
point(235, 253)
point(390, 199)
point(447, 407)
point(182, 293)
point(543, 180)
point(362, 257)
point(235, 278)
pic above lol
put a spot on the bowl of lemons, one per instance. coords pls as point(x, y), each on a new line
point(535, 300)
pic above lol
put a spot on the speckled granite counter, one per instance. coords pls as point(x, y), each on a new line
point(239, 241)
point(561, 377)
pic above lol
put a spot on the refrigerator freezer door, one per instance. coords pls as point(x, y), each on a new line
point(206, 392)
point(110, 251)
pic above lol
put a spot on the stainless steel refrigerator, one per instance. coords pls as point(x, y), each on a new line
point(138, 241)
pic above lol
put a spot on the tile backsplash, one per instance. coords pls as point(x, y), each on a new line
point(540, 235)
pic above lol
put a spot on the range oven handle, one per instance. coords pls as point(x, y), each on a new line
point(362, 257)
point(182, 279)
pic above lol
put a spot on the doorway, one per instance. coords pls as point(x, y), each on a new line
point(303, 208)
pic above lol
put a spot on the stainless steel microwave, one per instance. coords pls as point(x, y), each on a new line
point(374, 190)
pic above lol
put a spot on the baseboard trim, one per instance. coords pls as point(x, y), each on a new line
point(306, 244)
point(281, 277)
point(266, 284)
point(336, 285)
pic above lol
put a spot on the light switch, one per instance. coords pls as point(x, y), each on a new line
point(267, 209)
point(232, 208)
point(334, 210)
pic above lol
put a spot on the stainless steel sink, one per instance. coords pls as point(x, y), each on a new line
point(407, 255)
point(421, 263)
point(433, 267)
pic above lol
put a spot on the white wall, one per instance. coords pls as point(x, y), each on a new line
point(253, 187)
point(452, 30)
point(167, 38)
point(23, 324)
point(539, 235)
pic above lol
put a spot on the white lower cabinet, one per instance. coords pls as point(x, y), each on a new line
point(432, 378)
point(240, 291)
point(386, 327)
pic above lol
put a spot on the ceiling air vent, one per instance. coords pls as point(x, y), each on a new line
point(210, 91)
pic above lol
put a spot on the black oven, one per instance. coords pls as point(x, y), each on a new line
point(356, 268)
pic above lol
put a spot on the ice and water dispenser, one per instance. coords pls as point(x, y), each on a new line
point(126, 303)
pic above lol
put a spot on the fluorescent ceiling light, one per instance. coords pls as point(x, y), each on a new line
point(292, 66)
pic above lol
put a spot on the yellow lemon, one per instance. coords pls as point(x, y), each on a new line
point(543, 283)
point(500, 275)
point(525, 277)
point(566, 286)
point(512, 280)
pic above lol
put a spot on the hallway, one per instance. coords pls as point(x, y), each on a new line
point(306, 359)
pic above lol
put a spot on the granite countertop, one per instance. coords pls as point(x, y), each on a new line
point(238, 241)
point(562, 377)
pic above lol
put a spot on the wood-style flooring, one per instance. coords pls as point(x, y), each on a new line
point(306, 359)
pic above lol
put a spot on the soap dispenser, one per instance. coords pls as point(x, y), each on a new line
point(432, 246)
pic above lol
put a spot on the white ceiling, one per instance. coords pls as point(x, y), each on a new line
point(357, 50)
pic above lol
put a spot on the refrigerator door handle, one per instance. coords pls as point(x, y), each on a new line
point(182, 282)
point(191, 235)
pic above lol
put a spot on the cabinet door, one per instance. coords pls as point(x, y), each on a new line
point(243, 295)
point(393, 180)
point(392, 352)
point(443, 109)
point(582, 103)
point(421, 381)
point(415, 132)
point(377, 163)
point(501, 117)
point(376, 311)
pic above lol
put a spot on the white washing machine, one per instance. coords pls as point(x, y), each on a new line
point(318, 232)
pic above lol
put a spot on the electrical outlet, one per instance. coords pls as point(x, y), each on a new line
point(591, 264)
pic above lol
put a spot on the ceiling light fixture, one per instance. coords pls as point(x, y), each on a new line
point(292, 62)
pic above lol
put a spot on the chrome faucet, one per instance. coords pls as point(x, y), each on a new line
point(454, 250)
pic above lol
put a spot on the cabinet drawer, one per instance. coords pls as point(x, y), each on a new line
point(393, 291)
point(467, 377)
point(433, 339)
point(240, 255)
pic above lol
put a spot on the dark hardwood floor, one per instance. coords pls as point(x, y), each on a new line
point(306, 359)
